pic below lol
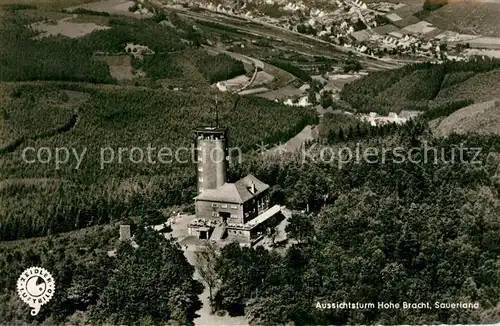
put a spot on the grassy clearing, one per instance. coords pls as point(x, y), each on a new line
point(120, 67)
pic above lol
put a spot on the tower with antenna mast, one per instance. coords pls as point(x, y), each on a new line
point(211, 154)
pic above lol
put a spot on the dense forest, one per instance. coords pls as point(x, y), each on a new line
point(27, 58)
point(424, 85)
point(39, 199)
point(96, 288)
point(387, 231)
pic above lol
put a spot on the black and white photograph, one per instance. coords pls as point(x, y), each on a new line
point(249, 162)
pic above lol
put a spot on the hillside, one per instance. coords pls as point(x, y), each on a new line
point(473, 18)
point(129, 84)
point(424, 86)
point(481, 118)
point(380, 230)
point(116, 117)
point(480, 87)
point(466, 17)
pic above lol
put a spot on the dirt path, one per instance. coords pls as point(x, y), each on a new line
point(205, 318)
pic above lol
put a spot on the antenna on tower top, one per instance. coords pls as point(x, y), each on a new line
point(216, 112)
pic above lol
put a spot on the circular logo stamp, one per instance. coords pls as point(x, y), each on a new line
point(35, 287)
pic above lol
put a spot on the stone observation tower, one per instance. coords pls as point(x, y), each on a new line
point(240, 210)
point(211, 156)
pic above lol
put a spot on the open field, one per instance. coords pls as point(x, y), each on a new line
point(421, 27)
point(262, 78)
point(466, 17)
point(120, 67)
point(118, 7)
point(339, 81)
point(282, 94)
point(66, 27)
point(488, 53)
point(485, 43)
point(293, 145)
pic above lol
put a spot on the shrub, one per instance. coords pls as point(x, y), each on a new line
point(19, 6)
point(294, 70)
point(133, 8)
point(326, 99)
point(431, 5)
point(445, 109)
point(352, 64)
point(83, 11)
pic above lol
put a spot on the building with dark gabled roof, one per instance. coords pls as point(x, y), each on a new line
point(223, 209)
point(234, 203)
point(239, 192)
point(235, 207)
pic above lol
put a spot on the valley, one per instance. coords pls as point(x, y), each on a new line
point(107, 108)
